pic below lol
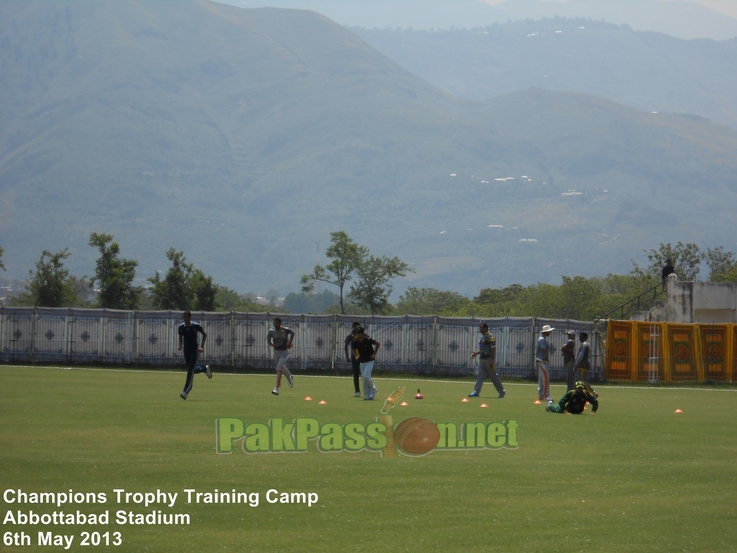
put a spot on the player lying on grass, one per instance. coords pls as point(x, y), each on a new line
point(574, 402)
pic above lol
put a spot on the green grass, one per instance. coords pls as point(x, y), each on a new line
point(635, 477)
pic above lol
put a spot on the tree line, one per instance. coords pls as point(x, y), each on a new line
point(362, 285)
point(576, 297)
point(182, 287)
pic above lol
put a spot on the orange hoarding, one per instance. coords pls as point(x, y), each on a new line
point(667, 352)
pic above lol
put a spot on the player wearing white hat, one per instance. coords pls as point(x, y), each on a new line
point(542, 360)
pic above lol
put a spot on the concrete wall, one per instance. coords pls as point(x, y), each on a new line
point(701, 302)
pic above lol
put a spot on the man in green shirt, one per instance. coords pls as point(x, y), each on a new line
point(574, 402)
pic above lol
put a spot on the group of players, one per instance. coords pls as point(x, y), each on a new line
point(362, 354)
point(361, 350)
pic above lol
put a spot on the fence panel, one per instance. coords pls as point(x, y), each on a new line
point(650, 359)
point(156, 340)
point(714, 351)
point(515, 347)
point(219, 344)
point(17, 334)
point(85, 335)
point(50, 341)
point(250, 347)
point(117, 336)
point(407, 344)
point(455, 339)
point(439, 346)
point(318, 342)
point(683, 357)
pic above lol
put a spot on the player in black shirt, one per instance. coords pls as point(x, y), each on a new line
point(364, 349)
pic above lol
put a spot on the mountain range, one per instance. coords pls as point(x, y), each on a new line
point(687, 20)
point(244, 137)
point(644, 70)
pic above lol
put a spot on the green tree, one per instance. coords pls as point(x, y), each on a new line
point(230, 300)
point(204, 292)
point(50, 284)
point(346, 256)
point(686, 259)
point(720, 263)
point(184, 286)
point(173, 291)
point(311, 303)
point(726, 276)
point(114, 275)
point(490, 296)
point(2, 265)
point(581, 298)
point(371, 290)
point(429, 301)
point(500, 302)
point(540, 300)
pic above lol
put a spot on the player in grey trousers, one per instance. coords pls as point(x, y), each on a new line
point(542, 359)
point(280, 338)
point(487, 363)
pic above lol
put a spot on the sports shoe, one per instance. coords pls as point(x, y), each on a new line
point(183, 395)
point(473, 394)
point(368, 398)
point(502, 394)
point(373, 393)
point(208, 372)
point(549, 399)
point(275, 391)
point(290, 379)
point(357, 394)
point(549, 406)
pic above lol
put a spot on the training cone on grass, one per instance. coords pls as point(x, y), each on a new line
point(483, 406)
point(322, 402)
point(465, 400)
point(308, 398)
point(419, 395)
point(538, 402)
point(404, 404)
point(678, 412)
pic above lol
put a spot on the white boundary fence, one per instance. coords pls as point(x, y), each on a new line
point(428, 345)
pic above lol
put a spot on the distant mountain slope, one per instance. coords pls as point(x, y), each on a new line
point(244, 137)
point(647, 71)
point(685, 20)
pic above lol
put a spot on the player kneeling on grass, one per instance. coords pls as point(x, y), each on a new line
point(574, 401)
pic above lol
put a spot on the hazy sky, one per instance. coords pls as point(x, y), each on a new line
point(727, 7)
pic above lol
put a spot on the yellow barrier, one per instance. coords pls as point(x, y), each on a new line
point(669, 352)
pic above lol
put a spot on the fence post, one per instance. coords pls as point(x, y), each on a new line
point(304, 332)
point(533, 339)
point(435, 337)
point(134, 338)
point(335, 342)
point(232, 339)
point(32, 355)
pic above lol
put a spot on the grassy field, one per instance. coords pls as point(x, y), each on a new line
point(634, 477)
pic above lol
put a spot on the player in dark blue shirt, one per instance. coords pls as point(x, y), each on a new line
point(188, 344)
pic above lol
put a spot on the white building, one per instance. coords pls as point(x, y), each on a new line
point(696, 302)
